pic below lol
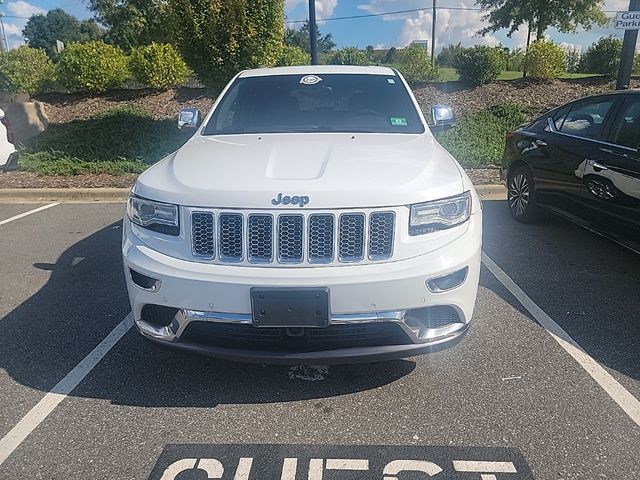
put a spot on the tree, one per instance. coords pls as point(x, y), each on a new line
point(602, 57)
point(300, 38)
point(391, 55)
point(132, 22)
point(447, 57)
point(42, 31)
point(218, 38)
point(565, 15)
point(349, 56)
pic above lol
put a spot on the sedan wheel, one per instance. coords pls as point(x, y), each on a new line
point(520, 196)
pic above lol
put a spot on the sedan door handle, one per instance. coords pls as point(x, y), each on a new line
point(597, 166)
point(540, 143)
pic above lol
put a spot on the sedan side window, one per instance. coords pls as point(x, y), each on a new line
point(587, 119)
point(626, 130)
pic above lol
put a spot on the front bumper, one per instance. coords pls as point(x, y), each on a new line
point(364, 300)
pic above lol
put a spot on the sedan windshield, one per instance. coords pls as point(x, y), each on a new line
point(316, 103)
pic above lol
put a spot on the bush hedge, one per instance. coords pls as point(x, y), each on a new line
point(292, 55)
point(480, 64)
point(158, 66)
point(92, 67)
point(26, 70)
point(415, 64)
point(478, 138)
point(545, 60)
point(349, 56)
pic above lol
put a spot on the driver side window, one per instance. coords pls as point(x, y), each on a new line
point(587, 119)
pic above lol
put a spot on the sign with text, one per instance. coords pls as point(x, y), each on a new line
point(333, 462)
point(627, 21)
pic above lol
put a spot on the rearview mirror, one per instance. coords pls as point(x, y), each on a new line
point(189, 118)
point(443, 118)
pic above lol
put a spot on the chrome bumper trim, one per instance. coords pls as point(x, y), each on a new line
point(173, 332)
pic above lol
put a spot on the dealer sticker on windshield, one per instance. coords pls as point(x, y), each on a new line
point(398, 121)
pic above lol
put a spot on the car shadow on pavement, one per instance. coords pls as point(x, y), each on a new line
point(85, 298)
point(587, 284)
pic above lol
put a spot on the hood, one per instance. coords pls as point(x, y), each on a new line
point(330, 170)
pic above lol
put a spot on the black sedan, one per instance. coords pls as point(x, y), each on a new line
point(581, 161)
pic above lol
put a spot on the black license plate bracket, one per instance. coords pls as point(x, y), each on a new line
point(290, 307)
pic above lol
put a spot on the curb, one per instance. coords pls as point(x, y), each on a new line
point(119, 195)
point(70, 195)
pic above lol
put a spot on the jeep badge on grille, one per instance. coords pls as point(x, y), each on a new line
point(301, 201)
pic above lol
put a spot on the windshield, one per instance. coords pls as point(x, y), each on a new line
point(316, 103)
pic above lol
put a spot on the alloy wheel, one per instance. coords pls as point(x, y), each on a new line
point(519, 194)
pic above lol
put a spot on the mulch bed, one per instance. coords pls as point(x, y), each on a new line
point(479, 176)
point(32, 180)
point(62, 108)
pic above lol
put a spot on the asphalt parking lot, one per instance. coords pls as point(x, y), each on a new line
point(512, 393)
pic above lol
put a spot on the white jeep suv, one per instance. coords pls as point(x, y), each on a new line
point(312, 218)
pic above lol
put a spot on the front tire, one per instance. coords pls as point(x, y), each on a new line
point(521, 196)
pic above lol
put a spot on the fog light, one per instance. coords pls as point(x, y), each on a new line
point(448, 282)
point(145, 282)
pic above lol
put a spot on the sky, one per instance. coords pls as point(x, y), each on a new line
point(397, 30)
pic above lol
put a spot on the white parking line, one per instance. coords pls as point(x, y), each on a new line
point(30, 212)
point(44, 407)
point(614, 389)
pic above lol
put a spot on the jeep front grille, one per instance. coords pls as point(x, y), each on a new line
point(292, 238)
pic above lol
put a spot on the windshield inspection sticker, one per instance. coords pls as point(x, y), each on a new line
point(310, 80)
point(391, 81)
point(398, 121)
point(334, 462)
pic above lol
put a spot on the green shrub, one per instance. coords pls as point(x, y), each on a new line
point(292, 55)
point(544, 60)
point(480, 64)
point(602, 57)
point(636, 64)
point(478, 138)
point(158, 66)
point(349, 56)
point(92, 67)
point(415, 64)
point(26, 70)
point(218, 38)
point(514, 60)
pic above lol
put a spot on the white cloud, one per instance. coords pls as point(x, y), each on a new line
point(452, 26)
point(24, 9)
point(324, 8)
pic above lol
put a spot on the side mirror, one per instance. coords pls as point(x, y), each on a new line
point(1, 114)
point(443, 118)
point(189, 118)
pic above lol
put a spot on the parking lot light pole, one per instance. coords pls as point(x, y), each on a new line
point(313, 32)
point(628, 52)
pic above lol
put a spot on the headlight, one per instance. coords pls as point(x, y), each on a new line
point(156, 216)
point(439, 214)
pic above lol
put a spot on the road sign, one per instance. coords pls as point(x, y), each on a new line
point(627, 21)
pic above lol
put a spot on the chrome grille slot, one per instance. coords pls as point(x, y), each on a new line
point(320, 238)
point(230, 237)
point(381, 235)
point(290, 233)
point(260, 241)
point(291, 238)
point(351, 240)
point(202, 239)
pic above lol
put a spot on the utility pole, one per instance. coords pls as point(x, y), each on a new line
point(433, 35)
point(628, 51)
point(4, 46)
point(313, 32)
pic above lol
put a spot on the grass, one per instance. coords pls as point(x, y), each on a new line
point(447, 74)
point(120, 140)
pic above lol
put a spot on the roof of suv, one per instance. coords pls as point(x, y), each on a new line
point(318, 70)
